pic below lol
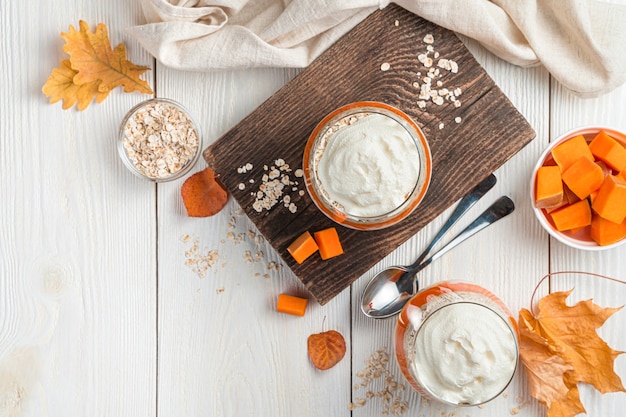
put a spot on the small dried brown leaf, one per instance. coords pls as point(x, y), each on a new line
point(203, 195)
point(326, 349)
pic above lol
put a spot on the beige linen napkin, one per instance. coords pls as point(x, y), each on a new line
point(581, 42)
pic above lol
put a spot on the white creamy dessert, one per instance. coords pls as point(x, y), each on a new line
point(368, 165)
point(463, 353)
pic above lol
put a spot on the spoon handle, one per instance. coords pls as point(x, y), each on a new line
point(464, 205)
point(501, 208)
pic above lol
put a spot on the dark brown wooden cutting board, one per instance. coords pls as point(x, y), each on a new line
point(490, 132)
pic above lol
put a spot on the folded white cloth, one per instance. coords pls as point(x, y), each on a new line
point(581, 42)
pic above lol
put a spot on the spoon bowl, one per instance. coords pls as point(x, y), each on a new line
point(388, 292)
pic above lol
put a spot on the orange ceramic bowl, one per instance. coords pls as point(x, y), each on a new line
point(582, 238)
point(323, 136)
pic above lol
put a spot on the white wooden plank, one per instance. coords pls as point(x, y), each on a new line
point(569, 112)
point(508, 258)
point(223, 349)
point(77, 234)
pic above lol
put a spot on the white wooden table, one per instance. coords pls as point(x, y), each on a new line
point(100, 316)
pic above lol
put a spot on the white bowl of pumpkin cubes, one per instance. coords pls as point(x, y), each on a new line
point(578, 188)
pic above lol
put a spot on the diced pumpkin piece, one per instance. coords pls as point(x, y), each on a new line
point(583, 177)
point(549, 187)
point(572, 216)
point(608, 150)
point(290, 304)
point(568, 152)
point(605, 232)
point(610, 202)
point(303, 247)
point(606, 170)
point(570, 197)
point(328, 242)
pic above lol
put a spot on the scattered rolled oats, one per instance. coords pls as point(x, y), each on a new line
point(199, 261)
point(160, 139)
point(202, 261)
point(431, 84)
point(276, 182)
point(391, 394)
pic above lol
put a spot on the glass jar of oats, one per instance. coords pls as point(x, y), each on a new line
point(159, 140)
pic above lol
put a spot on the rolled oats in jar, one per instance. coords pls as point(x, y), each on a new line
point(159, 141)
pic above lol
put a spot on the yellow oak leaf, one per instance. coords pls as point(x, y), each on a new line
point(60, 86)
point(94, 60)
point(559, 347)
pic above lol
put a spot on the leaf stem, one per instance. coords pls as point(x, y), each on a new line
point(549, 275)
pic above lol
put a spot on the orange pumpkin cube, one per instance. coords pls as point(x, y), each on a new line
point(605, 232)
point(568, 152)
point(583, 177)
point(610, 202)
point(549, 187)
point(303, 247)
point(572, 216)
point(328, 242)
point(608, 150)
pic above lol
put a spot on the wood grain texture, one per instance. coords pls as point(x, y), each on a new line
point(77, 241)
point(569, 112)
point(491, 131)
point(223, 348)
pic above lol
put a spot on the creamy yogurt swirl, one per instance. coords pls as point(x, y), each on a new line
point(369, 167)
point(464, 354)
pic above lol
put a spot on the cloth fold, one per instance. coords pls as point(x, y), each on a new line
point(580, 42)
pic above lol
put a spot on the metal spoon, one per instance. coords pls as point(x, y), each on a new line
point(376, 289)
point(389, 290)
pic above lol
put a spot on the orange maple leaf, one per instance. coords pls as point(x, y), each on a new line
point(60, 86)
point(93, 59)
point(560, 347)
